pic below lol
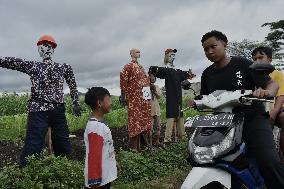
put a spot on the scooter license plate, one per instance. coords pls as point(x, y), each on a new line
point(218, 120)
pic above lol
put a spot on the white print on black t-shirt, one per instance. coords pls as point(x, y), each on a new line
point(239, 78)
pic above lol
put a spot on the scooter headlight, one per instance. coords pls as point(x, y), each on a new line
point(204, 155)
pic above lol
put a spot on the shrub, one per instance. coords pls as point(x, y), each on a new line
point(136, 167)
point(44, 172)
point(13, 104)
point(48, 172)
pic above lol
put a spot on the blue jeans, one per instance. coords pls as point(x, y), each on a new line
point(38, 123)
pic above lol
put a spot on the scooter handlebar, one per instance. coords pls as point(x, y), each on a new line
point(221, 98)
point(251, 98)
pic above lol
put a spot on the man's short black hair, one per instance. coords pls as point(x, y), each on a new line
point(94, 94)
point(263, 50)
point(217, 34)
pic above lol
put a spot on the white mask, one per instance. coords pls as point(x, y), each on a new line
point(169, 59)
point(45, 51)
point(135, 54)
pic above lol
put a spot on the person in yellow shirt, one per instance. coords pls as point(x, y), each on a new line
point(263, 54)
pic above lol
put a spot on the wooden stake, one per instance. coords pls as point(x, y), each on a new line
point(175, 129)
point(49, 141)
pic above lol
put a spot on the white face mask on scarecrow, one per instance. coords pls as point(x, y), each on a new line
point(169, 58)
point(46, 46)
point(135, 54)
point(46, 51)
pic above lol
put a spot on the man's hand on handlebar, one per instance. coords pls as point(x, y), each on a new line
point(261, 93)
point(191, 103)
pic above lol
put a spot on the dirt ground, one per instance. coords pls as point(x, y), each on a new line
point(10, 151)
point(119, 135)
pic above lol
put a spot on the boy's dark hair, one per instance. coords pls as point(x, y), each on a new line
point(94, 94)
point(214, 33)
point(263, 50)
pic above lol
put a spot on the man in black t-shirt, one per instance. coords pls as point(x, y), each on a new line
point(232, 73)
point(235, 75)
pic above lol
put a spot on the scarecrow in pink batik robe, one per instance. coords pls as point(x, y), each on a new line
point(135, 91)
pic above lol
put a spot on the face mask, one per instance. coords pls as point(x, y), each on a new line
point(137, 54)
point(45, 51)
point(169, 61)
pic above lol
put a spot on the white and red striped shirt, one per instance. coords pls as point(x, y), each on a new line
point(100, 163)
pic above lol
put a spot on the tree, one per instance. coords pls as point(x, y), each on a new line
point(275, 38)
point(243, 48)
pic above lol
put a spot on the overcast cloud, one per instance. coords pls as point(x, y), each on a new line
point(95, 37)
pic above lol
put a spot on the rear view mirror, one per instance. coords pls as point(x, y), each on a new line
point(262, 68)
point(185, 84)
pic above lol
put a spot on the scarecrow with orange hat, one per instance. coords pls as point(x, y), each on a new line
point(46, 104)
point(173, 84)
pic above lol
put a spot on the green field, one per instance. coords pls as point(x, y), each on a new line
point(162, 169)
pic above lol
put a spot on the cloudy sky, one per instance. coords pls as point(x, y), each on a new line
point(95, 36)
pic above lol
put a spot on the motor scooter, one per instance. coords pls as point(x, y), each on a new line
point(217, 153)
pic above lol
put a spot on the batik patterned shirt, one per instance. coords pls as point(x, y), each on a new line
point(47, 79)
point(133, 79)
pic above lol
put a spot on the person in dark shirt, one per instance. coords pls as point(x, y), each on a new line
point(263, 54)
point(173, 79)
point(46, 105)
point(233, 73)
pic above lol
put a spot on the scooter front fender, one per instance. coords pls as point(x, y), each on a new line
point(201, 176)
